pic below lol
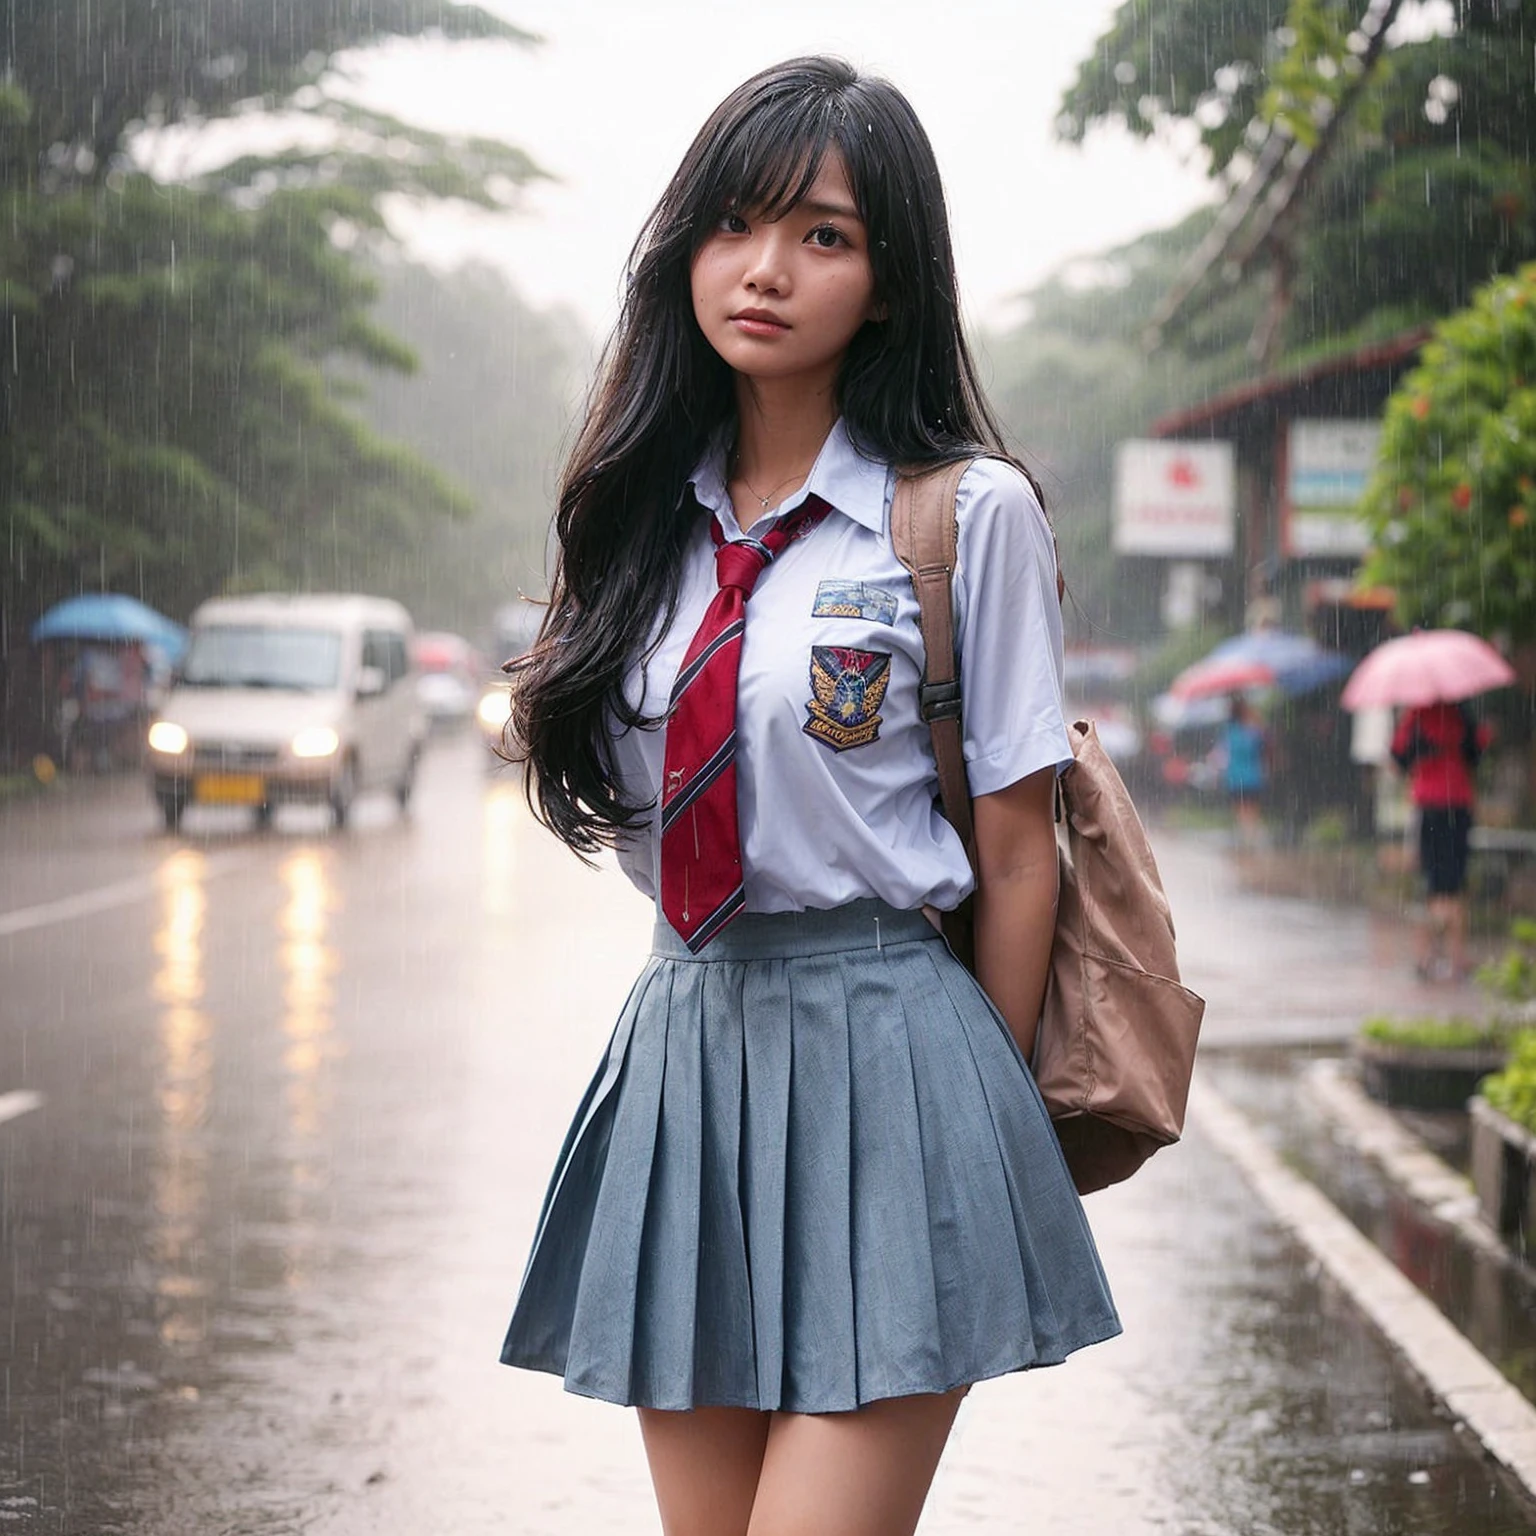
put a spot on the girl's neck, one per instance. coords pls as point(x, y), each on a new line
point(780, 429)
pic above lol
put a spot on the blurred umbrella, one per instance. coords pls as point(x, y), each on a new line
point(111, 617)
point(1430, 666)
point(1262, 658)
point(1188, 714)
point(1213, 677)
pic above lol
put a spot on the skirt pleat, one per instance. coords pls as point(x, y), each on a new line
point(818, 1323)
point(811, 1172)
point(899, 1302)
point(723, 1330)
point(766, 1061)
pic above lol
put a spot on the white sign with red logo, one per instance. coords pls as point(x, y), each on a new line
point(1172, 498)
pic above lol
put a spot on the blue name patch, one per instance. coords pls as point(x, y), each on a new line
point(854, 600)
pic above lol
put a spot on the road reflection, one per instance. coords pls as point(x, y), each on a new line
point(308, 965)
point(504, 819)
point(180, 1193)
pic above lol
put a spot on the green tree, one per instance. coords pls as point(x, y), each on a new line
point(1452, 505)
point(170, 425)
point(1201, 61)
point(1428, 187)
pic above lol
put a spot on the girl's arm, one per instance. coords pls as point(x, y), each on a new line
point(1016, 899)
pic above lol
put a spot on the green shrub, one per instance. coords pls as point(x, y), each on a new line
point(1455, 1034)
point(1329, 829)
point(1512, 977)
point(1512, 1090)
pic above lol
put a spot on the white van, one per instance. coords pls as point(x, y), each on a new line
point(278, 698)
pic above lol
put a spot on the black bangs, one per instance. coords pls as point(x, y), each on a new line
point(769, 164)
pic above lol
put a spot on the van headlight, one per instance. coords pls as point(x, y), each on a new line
point(167, 737)
point(316, 741)
point(494, 708)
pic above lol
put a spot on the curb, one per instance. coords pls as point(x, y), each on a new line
point(1461, 1378)
point(1427, 1180)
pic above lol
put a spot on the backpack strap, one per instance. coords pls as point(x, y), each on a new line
point(924, 538)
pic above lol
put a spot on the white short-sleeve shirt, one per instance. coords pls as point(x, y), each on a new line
point(835, 772)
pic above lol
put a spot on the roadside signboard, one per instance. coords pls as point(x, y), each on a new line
point(1174, 499)
point(1327, 466)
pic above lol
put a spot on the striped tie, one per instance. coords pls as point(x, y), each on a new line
point(701, 880)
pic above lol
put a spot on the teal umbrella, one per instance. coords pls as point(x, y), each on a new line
point(111, 617)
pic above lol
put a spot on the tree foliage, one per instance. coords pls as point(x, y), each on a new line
point(169, 424)
point(1430, 187)
point(1202, 61)
point(93, 70)
point(1452, 505)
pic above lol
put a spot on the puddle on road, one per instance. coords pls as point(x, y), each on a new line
point(1492, 1301)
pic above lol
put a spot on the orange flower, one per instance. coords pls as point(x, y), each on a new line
point(1461, 497)
point(1419, 407)
point(1518, 517)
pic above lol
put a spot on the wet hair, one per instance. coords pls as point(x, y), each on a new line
point(907, 392)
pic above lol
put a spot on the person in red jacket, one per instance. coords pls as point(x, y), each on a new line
point(1438, 747)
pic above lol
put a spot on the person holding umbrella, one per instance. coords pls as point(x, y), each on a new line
point(1437, 744)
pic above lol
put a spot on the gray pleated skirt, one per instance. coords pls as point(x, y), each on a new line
point(812, 1171)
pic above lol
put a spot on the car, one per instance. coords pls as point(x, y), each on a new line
point(448, 678)
point(285, 697)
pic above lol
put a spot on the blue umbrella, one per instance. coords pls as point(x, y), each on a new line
point(1298, 662)
point(108, 617)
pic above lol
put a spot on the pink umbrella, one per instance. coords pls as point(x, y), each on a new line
point(1430, 666)
point(1217, 675)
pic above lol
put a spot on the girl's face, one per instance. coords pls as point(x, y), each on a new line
point(782, 298)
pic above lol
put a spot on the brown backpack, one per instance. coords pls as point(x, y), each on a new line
point(1116, 1044)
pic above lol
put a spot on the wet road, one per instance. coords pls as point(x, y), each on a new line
point(299, 1095)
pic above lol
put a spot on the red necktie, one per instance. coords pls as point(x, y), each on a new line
point(701, 882)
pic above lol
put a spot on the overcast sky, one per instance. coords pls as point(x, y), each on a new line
point(610, 100)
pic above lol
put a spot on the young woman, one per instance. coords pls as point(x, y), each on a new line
point(812, 1194)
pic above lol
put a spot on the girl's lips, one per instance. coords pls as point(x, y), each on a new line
point(756, 325)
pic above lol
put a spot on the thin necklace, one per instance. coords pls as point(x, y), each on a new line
point(757, 494)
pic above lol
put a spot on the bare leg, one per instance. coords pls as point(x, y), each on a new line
point(1249, 827)
point(1455, 924)
point(705, 1467)
point(853, 1474)
point(1441, 928)
point(1425, 941)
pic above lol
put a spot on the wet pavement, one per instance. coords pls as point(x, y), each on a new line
point(299, 1097)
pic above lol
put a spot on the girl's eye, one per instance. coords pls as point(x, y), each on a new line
point(828, 237)
point(731, 223)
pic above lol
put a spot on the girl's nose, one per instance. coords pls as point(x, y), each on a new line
point(767, 271)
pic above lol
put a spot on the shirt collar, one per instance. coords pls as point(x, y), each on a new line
point(843, 478)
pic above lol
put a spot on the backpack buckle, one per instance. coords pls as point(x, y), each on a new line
point(939, 701)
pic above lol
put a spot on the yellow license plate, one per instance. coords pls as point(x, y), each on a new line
point(229, 788)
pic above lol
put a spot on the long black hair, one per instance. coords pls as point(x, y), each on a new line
point(907, 392)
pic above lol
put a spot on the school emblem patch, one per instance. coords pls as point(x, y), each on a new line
point(854, 600)
point(847, 689)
